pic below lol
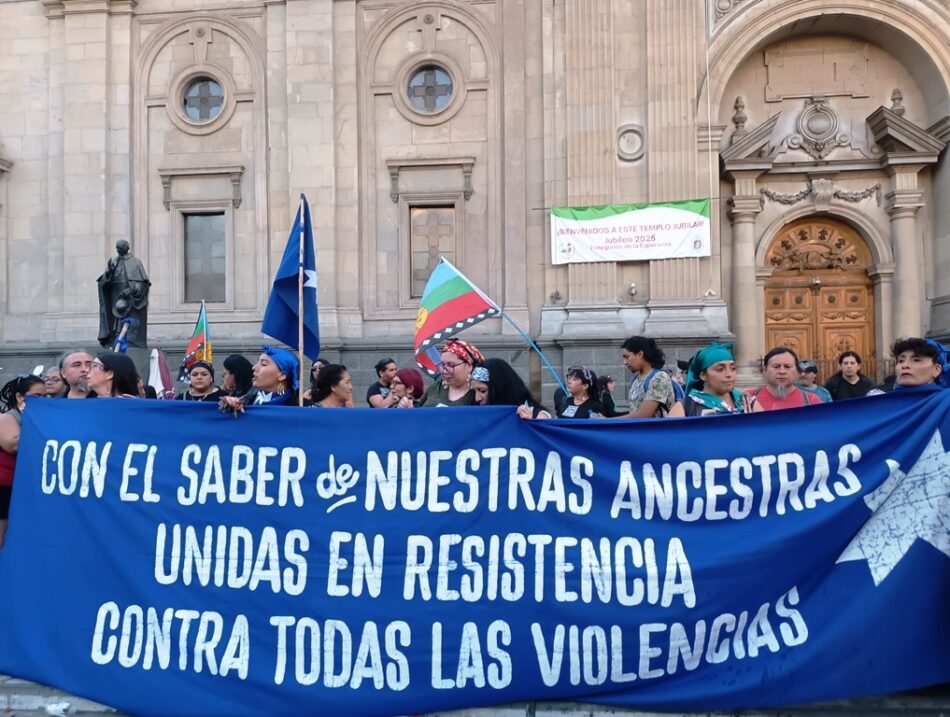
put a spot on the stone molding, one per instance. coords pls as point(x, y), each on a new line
point(395, 166)
point(59, 8)
point(233, 173)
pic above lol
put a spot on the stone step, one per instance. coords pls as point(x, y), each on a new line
point(20, 698)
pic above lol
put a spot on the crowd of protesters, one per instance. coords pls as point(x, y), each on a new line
point(704, 386)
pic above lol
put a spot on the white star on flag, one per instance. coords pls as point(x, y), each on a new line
point(906, 507)
point(309, 279)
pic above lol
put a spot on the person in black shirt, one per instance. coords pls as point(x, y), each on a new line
point(849, 382)
point(378, 395)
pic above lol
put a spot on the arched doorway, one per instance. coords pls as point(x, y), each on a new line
point(819, 299)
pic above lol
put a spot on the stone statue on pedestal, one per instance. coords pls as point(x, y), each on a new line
point(123, 294)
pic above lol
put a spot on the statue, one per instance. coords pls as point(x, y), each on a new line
point(123, 294)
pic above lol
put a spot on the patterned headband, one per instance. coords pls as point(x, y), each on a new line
point(480, 373)
point(464, 350)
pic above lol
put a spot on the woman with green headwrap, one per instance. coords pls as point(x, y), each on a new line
point(711, 385)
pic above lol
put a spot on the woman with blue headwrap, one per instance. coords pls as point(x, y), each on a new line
point(276, 381)
point(711, 385)
point(919, 362)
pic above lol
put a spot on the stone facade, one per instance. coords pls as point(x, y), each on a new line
point(779, 110)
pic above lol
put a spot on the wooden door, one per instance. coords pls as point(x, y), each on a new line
point(819, 300)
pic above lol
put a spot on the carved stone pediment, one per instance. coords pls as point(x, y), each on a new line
point(756, 144)
point(816, 246)
point(897, 135)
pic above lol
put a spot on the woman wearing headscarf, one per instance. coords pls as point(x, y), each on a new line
point(333, 388)
point(201, 384)
point(581, 400)
point(12, 404)
point(711, 385)
point(919, 362)
point(276, 382)
point(496, 383)
point(451, 388)
point(237, 376)
point(113, 375)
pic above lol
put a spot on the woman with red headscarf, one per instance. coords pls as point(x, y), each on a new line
point(455, 367)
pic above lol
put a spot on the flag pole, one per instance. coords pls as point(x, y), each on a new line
point(300, 282)
point(507, 318)
point(534, 346)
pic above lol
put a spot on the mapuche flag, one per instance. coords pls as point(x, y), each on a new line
point(450, 303)
point(199, 345)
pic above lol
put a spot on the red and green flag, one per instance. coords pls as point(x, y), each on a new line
point(199, 345)
point(450, 303)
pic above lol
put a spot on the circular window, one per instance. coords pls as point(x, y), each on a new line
point(430, 89)
point(203, 100)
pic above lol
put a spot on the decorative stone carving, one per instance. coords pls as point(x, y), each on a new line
point(897, 102)
point(818, 129)
point(631, 142)
point(824, 191)
point(739, 118)
point(817, 246)
point(724, 7)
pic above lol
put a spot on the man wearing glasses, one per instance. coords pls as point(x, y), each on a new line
point(379, 394)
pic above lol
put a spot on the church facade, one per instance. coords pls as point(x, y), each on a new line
point(420, 129)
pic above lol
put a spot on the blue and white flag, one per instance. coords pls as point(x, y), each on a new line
point(194, 563)
point(283, 309)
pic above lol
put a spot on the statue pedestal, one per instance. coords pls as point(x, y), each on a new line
point(140, 359)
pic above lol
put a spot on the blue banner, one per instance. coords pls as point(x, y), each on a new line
point(169, 559)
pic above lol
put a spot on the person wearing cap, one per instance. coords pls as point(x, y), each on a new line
point(457, 359)
point(379, 394)
point(201, 384)
point(808, 380)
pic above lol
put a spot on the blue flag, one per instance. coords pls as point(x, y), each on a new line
point(194, 563)
point(280, 318)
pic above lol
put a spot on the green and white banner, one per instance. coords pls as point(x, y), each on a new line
point(630, 232)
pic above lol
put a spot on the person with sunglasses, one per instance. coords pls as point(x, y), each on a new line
point(581, 400)
point(379, 394)
point(12, 404)
point(451, 387)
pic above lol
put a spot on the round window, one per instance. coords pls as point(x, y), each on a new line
point(430, 88)
point(203, 100)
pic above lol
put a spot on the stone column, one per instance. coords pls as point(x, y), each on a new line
point(591, 164)
point(882, 277)
point(745, 309)
point(902, 205)
point(673, 37)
